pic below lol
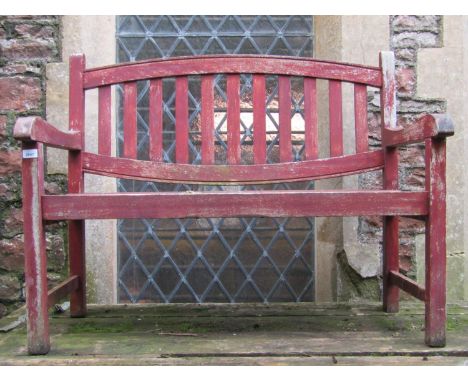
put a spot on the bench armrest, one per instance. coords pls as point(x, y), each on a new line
point(36, 129)
point(436, 126)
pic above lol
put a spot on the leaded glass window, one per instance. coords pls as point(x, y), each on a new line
point(215, 260)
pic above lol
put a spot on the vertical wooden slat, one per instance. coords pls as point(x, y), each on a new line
point(310, 119)
point(130, 120)
point(182, 122)
point(233, 118)
point(360, 118)
point(284, 89)
point(391, 261)
point(436, 263)
point(104, 121)
point(259, 118)
point(156, 120)
point(336, 118)
point(207, 119)
point(76, 228)
point(35, 259)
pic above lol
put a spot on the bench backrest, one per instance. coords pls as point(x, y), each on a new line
point(232, 66)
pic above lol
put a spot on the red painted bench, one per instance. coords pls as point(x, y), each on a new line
point(77, 206)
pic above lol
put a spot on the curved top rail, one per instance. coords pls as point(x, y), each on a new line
point(232, 174)
point(213, 64)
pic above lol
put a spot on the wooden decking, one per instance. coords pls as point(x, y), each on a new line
point(241, 334)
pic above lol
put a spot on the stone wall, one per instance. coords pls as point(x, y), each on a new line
point(408, 34)
point(27, 44)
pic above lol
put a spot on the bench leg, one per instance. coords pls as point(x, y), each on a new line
point(435, 244)
point(391, 262)
point(35, 259)
point(76, 250)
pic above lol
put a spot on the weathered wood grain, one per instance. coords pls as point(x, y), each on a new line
point(436, 249)
point(234, 64)
point(62, 290)
point(284, 95)
point(155, 124)
point(335, 102)
point(360, 118)
point(233, 119)
point(406, 284)
point(259, 118)
point(182, 123)
point(239, 174)
point(391, 260)
point(130, 120)
point(429, 126)
point(104, 121)
point(310, 119)
point(36, 129)
point(76, 228)
point(207, 120)
point(229, 204)
point(35, 258)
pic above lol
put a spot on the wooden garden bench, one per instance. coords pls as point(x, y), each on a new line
point(76, 206)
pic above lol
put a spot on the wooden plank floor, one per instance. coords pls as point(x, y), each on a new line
point(241, 334)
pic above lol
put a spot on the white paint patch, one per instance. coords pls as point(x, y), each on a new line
point(30, 153)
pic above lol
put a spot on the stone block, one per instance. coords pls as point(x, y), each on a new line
point(10, 288)
point(416, 23)
point(36, 31)
point(12, 223)
point(417, 40)
point(12, 254)
point(21, 50)
point(406, 80)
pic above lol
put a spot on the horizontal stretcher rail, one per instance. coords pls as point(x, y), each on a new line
point(231, 204)
point(255, 64)
point(408, 285)
point(232, 174)
point(62, 290)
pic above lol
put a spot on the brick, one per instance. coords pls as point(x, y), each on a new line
point(21, 50)
point(10, 162)
point(12, 254)
point(20, 93)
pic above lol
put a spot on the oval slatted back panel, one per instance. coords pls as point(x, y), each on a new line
point(245, 159)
